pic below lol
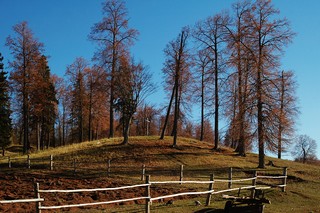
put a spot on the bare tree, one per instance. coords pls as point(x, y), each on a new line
point(241, 61)
point(268, 36)
point(114, 38)
point(177, 71)
point(25, 50)
point(286, 110)
point(43, 103)
point(167, 114)
point(211, 33)
point(96, 89)
point(76, 73)
point(202, 62)
point(304, 148)
point(62, 97)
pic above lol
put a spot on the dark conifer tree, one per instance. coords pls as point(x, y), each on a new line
point(5, 121)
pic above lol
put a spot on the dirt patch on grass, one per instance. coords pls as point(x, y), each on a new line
point(21, 186)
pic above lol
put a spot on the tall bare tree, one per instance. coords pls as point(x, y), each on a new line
point(76, 73)
point(240, 59)
point(62, 97)
point(286, 110)
point(167, 114)
point(211, 33)
point(96, 88)
point(177, 71)
point(43, 104)
point(268, 36)
point(114, 38)
point(25, 50)
point(202, 62)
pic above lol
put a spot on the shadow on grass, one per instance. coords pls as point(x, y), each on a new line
point(210, 210)
point(15, 149)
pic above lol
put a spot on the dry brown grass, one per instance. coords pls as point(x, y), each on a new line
point(199, 161)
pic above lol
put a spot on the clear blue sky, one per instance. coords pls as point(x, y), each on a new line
point(63, 26)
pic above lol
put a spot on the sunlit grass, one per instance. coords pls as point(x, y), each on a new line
point(163, 163)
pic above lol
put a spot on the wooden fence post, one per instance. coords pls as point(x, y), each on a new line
point(148, 194)
point(230, 178)
point(28, 162)
point(181, 173)
point(285, 172)
point(9, 162)
point(51, 162)
point(74, 166)
point(210, 188)
point(37, 195)
point(108, 167)
point(254, 183)
point(143, 172)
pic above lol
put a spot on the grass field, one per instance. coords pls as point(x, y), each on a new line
point(302, 192)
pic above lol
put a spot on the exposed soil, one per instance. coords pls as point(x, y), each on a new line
point(21, 186)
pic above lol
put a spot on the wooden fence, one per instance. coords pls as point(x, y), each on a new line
point(147, 186)
point(106, 167)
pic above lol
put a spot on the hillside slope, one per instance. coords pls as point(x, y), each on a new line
point(162, 163)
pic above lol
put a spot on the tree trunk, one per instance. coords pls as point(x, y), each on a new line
point(216, 94)
point(260, 114)
point(111, 133)
point(38, 136)
point(280, 117)
point(176, 111)
point(53, 136)
point(113, 73)
point(25, 112)
point(90, 113)
point(177, 86)
point(126, 130)
point(63, 126)
point(202, 105)
point(168, 114)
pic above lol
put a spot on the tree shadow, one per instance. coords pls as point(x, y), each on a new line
point(210, 210)
point(15, 149)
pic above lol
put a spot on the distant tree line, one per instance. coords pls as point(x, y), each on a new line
point(228, 64)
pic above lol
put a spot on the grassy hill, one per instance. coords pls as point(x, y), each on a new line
point(163, 162)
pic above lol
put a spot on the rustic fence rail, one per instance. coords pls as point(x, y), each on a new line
point(107, 166)
point(147, 186)
point(33, 200)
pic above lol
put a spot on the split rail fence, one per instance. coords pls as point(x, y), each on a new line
point(106, 167)
point(230, 181)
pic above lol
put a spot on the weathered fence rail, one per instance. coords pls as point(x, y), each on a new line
point(106, 167)
point(33, 200)
point(90, 190)
point(147, 186)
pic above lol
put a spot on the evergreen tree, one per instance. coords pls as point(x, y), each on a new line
point(5, 121)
